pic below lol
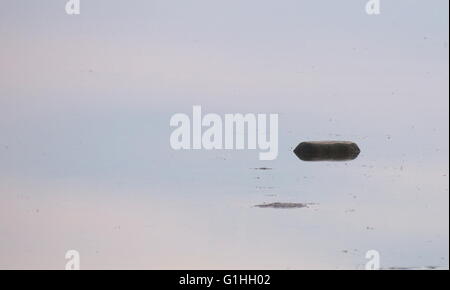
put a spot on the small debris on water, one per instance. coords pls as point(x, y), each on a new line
point(283, 205)
point(265, 187)
point(416, 268)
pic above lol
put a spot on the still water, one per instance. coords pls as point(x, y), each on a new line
point(147, 206)
point(86, 162)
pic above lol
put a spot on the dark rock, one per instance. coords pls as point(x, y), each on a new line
point(327, 151)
